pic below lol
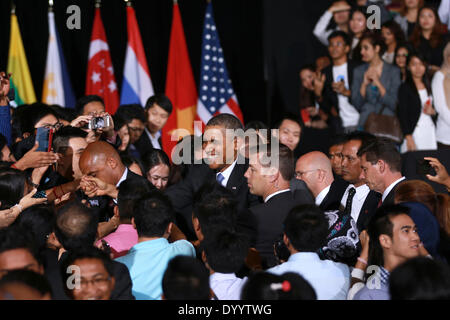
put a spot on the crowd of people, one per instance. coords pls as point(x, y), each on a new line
point(93, 208)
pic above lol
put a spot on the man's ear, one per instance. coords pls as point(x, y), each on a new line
point(132, 223)
point(286, 240)
point(116, 211)
point(112, 163)
point(385, 241)
point(169, 228)
point(381, 166)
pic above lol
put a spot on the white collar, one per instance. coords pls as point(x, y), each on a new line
point(124, 176)
point(227, 173)
point(361, 191)
point(391, 186)
point(154, 140)
point(275, 193)
point(322, 195)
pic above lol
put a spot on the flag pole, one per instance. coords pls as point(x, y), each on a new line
point(175, 1)
point(98, 3)
point(128, 3)
point(13, 7)
point(50, 5)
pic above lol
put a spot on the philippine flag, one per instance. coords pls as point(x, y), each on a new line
point(137, 86)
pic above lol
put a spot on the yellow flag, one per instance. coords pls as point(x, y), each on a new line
point(18, 66)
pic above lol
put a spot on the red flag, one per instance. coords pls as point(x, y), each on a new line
point(180, 86)
point(100, 74)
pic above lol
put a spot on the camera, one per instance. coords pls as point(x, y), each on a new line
point(424, 167)
point(281, 251)
point(99, 123)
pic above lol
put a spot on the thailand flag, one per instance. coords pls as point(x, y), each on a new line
point(216, 94)
point(136, 86)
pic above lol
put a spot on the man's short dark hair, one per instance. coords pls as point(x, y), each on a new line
point(28, 278)
point(39, 221)
point(29, 115)
point(76, 226)
point(379, 224)
point(338, 139)
point(382, 149)
point(130, 191)
point(81, 102)
point(63, 135)
point(128, 112)
point(67, 114)
point(227, 121)
point(89, 252)
point(15, 237)
point(225, 250)
point(268, 286)
point(215, 207)
point(161, 100)
point(152, 214)
point(306, 227)
point(420, 278)
point(362, 136)
point(285, 156)
point(342, 34)
point(186, 278)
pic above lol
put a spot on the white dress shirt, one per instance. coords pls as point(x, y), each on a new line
point(358, 199)
point(227, 173)
point(391, 186)
point(440, 103)
point(154, 140)
point(226, 286)
point(322, 195)
point(330, 280)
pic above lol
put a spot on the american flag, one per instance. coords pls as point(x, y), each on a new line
point(216, 94)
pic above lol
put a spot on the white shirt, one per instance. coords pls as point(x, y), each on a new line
point(227, 173)
point(322, 195)
point(444, 12)
point(226, 286)
point(154, 140)
point(440, 103)
point(320, 30)
point(330, 280)
point(274, 194)
point(347, 112)
point(391, 186)
point(124, 176)
point(358, 199)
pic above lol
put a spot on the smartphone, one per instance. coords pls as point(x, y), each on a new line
point(423, 167)
point(281, 251)
point(44, 136)
point(40, 194)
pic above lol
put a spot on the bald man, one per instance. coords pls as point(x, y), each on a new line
point(315, 169)
point(102, 170)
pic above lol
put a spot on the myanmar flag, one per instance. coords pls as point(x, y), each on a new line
point(18, 66)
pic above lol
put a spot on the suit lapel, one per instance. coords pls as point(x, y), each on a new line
point(237, 177)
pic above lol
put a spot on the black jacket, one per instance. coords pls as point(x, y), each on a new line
point(332, 200)
point(182, 195)
point(144, 144)
point(269, 217)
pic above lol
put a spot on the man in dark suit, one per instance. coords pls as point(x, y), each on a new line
point(314, 168)
point(381, 163)
point(338, 81)
point(157, 110)
point(222, 164)
point(358, 198)
point(268, 176)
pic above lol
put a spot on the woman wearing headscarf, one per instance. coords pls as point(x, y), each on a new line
point(440, 87)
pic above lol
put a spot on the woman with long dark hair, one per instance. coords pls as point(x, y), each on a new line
point(358, 26)
point(428, 37)
point(392, 35)
point(157, 168)
point(415, 107)
point(408, 15)
point(401, 57)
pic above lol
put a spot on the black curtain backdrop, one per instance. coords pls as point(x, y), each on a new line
point(264, 42)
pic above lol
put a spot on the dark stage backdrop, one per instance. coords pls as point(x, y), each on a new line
point(264, 42)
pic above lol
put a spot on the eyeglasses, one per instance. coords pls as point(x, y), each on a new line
point(55, 126)
point(299, 174)
point(97, 282)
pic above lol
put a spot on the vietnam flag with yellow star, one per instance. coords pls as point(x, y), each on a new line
point(180, 87)
point(100, 78)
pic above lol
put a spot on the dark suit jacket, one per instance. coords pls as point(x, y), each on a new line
point(390, 198)
point(122, 288)
point(144, 144)
point(182, 195)
point(332, 200)
point(368, 209)
point(269, 218)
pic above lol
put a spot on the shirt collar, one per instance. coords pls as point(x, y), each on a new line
point(303, 255)
point(124, 176)
point(322, 195)
point(361, 191)
point(227, 173)
point(154, 140)
point(384, 275)
point(391, 186)
point(275, 193)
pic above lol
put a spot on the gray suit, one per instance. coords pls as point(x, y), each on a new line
point(373, 102)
